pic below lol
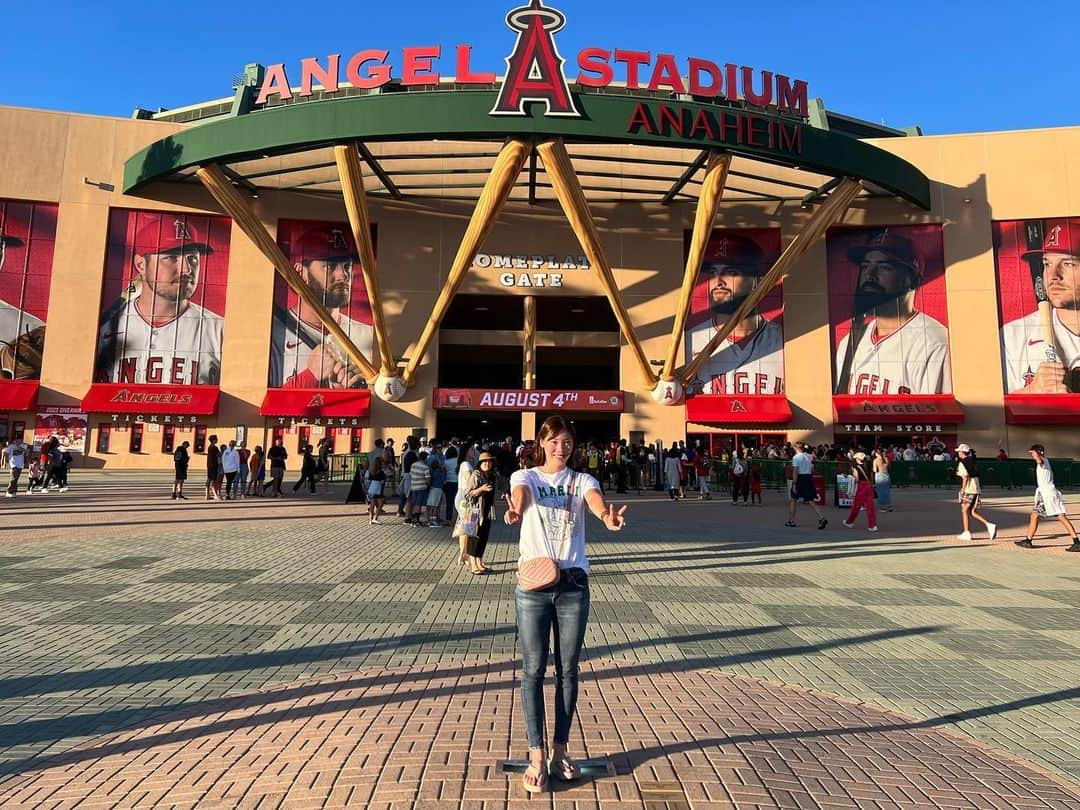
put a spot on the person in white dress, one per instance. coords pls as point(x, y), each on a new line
point(1048, 501)
point(897, 349)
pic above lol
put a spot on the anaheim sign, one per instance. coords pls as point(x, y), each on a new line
point(535, 72)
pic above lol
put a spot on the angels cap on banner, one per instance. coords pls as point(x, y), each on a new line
point(324, 244)
point(1062, 236)
point(169, 233)
point(732, 249)
point(899, 247)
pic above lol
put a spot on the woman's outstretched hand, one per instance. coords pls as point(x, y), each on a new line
point(612, 519)
point(512, 516)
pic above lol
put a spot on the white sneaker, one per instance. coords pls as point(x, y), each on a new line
point(991, 529)
point(63, 489)
point(872, 529)
point(9, 495)
point(848, 525)
point(964, 536)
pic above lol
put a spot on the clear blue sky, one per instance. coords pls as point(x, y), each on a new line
point(949, 65)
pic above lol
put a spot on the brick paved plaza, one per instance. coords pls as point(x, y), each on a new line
point(282, 653)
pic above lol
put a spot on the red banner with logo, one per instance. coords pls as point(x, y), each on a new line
point(510, 399)
point(772, 410)
point(910, 409)
point(150, 398)
point(316, 402)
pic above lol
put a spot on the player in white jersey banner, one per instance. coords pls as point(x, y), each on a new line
point(751, 360)
point(163, 301)
point(1038, 277)
point(27, 238)
point(887, 311)
point(302, 352)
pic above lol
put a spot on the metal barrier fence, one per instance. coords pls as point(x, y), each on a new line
point(343, 465)
point(1009, 474)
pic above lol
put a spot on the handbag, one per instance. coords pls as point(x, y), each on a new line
point(540, 573)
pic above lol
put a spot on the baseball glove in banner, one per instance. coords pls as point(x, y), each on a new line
point(20, 359)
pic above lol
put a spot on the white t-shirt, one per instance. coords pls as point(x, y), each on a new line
point(544, 532)
point(803, 464)
point(184, 351)
point(1025, 349)
point(230, 460)
point(1052, 502)
point(16, 458)
point(912, 360)
point(741, 368)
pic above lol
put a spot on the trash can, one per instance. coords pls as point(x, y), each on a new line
point(819, 488)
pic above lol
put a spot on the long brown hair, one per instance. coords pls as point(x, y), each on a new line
point(553, 426)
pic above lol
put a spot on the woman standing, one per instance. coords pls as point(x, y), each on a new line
point(882, 481)
point(549, 501)
point(256, 471)
point(740, 478)
point(465, 473)
point(375, 496)
point(672, 472)
point(450, 488)
point(481, 490)
point(1048, 501)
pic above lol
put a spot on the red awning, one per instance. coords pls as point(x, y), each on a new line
point(1042, 409)
point(770, 409)
point(18, 395)
point(316, 402)
point(195, 400)
point(909, 409)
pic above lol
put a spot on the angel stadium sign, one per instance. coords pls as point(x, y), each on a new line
point(536, 72)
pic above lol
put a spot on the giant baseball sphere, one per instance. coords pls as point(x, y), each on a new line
point(668, 392)
point(389, 389)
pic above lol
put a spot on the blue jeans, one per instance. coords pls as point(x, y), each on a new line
point(564, 606)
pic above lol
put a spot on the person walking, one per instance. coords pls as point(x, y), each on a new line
point(970, 493)
point(213, 470)
point(230, 466)
point(15, 454)
point(703, 461)
point(376, 485)
point(549, 502)
point(322, 465)
point(1048, 501)
point(882, 480)
point(864, 493)
point(802, 486)
point(181, 459)
point(308, 471)
point(277, 456)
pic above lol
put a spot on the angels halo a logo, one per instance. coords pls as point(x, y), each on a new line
point(534, 68)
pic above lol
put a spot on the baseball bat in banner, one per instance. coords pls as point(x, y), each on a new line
point(1033, 231)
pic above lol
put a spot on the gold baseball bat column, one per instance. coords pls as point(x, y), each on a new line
point(529, 343)
point(830, 212)
point(389, 385)
point(494, 194)
point(572, 199)
point(242, 214)
point(669, 390)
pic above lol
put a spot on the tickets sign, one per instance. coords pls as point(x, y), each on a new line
point(505, 399)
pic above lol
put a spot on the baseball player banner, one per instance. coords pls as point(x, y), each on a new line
point(888, 315)
point(751, 360)
point(27, 238)
point(1038, 279)
point(302, 352)
point(163, 299)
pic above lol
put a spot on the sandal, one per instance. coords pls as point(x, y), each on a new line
point(564, 768)
point(539, 775)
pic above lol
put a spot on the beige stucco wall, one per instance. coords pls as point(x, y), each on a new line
point(975, 178)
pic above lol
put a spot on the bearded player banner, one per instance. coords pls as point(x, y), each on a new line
point(163, 299)
point(27, 238)
point(1038, 280)
point(751, 360)
point(888, 316)
point(302, 352)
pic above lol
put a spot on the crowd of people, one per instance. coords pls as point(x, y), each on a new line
point(46, 466)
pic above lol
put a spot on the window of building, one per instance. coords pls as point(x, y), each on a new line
point(200, 438)
point(136, 436)
point(168, 438)
point(104, 432)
